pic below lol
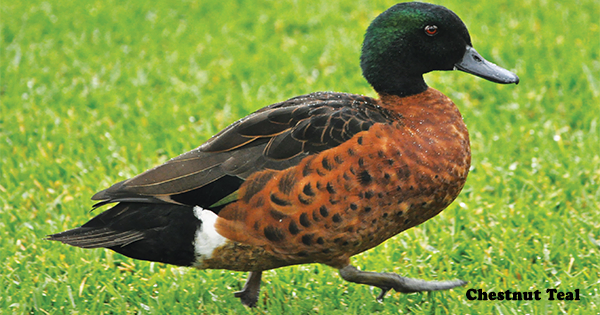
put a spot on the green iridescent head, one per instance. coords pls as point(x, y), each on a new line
point(410, 39)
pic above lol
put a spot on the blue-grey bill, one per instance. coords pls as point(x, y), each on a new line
point(473, 63)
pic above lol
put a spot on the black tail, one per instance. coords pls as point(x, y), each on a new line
point(148, 231)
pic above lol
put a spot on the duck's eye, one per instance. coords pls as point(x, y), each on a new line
point(431, 30)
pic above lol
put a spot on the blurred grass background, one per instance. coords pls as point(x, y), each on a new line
point(94, 92)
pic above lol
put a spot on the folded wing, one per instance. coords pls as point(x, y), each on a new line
point(275, 137)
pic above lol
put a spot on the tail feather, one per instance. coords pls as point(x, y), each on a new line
point(94, 238)
point(147, 231)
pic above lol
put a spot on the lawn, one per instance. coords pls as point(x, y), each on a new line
point(94, 92)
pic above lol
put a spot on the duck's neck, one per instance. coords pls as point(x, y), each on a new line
point(393, 75)
point(402, 86)
point(389, 82)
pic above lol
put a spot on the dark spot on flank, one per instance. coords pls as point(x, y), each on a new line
point(338, 159)
point(398, 188)
point(293, 228)
point(330, 188)
point(345, 243)
point(351, 152)
point(406, 221)
point(385, 215)
point(326, 251)
point(336, 218)
point(361, 162)
point(286, 183)
point(359, 140)
point(333, 201)
point(305, 201)
point(307, 190)
point(306, 170)
point(277, 215)
point(369, 194)
point(436, 176)
point(324, 212)
point(374, 221)
point(353, 206)
point(304, 220)
point(365, 178)
point(315, 216)
point(346, 176)
point(256, 226)
point(352, 171)
point(320, 241)
point(274, 234)
point(321, 172)
point(350, 229)
point(380, 195)
point(367, 209)
point(381, 154)
point(326, 164)
point(256, 184)
point(319, 186)
point(302, 253)
point(386, 176)
point(390, 161)
point(278, 201)
point(337, 240)
point(411, 188)
point(399, 213)
point(307, 239)
point(424, 204)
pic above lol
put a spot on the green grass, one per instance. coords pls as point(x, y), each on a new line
point(94, 92)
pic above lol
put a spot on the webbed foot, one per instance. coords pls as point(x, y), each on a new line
point(387, 281)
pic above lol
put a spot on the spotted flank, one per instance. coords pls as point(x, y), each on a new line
point(316, 178)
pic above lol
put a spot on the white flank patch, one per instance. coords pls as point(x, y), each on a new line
point(207, 238)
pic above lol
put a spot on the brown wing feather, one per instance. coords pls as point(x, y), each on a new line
point(275, 137)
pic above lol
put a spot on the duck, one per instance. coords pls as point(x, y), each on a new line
point(317, 178)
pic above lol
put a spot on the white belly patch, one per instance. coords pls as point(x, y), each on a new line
point(207, 238)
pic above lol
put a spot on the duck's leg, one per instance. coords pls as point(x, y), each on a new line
point(249, 294)
point(387, 281)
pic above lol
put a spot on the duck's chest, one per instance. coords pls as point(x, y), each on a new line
point(416, 167)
